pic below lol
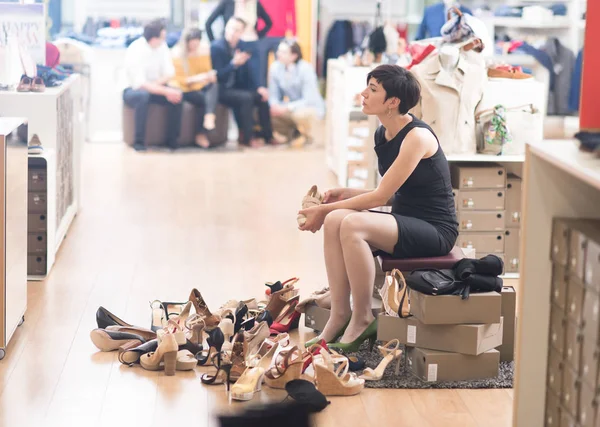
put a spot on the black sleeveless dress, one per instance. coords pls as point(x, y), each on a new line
point(424, 205)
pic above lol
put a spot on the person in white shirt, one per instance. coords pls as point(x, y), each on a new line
point(149, 67)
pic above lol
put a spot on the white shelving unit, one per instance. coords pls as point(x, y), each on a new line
point(54, 116)
point(559, 181)
point(13, 232)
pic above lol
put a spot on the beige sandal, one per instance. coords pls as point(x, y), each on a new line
point(312, 198)
point(389, 352)
point(186, 361)
point(395, 295)
point(321, 298)
point(336, 382)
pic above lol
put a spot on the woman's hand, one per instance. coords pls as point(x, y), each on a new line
point(315, 217)
point(335, 195)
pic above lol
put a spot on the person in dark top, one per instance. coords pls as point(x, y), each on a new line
point(238, 84)
point(416, 182)
point(249, 10)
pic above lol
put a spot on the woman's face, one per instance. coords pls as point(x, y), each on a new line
point(193, 45)
point(374, 102)
point(284, 54)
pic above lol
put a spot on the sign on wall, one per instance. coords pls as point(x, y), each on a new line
point(26, 23)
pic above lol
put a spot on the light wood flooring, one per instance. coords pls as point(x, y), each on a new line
point(153, 226)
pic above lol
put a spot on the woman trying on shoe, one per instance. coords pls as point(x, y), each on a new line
point(416, 182)
point(195, 76)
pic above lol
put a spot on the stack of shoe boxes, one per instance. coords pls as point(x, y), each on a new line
point(480, 193)
point(451, 339)
point(359, 145)
point(573, 350)
point(37, 221)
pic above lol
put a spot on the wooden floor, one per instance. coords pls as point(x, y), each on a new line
point(153, 226)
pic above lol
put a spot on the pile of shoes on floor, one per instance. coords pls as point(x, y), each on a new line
point(247, 342)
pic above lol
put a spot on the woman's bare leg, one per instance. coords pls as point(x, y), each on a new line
point(359, 232)
point(336, 274)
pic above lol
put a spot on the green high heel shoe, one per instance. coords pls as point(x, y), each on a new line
point(317, 339)
point(352, 347)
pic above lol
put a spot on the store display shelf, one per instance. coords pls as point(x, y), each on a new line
point(557, 22)
point(516, 59)
point(565, 155)
point(485, 158)
point(509, 276)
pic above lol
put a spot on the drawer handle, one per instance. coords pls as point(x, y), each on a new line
point(40, 238)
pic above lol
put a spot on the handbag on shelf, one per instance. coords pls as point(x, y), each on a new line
point(505, 131)
point(456, 28)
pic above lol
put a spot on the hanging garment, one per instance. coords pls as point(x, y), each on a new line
point(283, 15)
point(377, 41)
point(391, 38)
point(563, 60)
point(449, 101)
point(434, 19)
point(575, 94)
point(339, 41)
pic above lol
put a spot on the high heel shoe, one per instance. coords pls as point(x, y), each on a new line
point(240, 314)
point(394, 295)
point(186, 361)
point(211, 321)
point(318, 338)
point(267, 350)
point(226, 326)
point(389, 352)
point(105, 318)
point(278, 286)
point(238, 356)
point(222, 376)
point(215, 341)
point(107, 340)
point(286, 367)
point(130, 353)
point(255, 337)
point(369, 334)
point(147, 334)
point(166, 352)
point(288, 320)
point(176, 325)
point(249, 383)
point(336, 382)
point(158, 319)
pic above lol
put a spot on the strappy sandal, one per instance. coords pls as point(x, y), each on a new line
point(267, 350)
point(395, 294)
point(336, 382)
point(238, 356)
point(312, 198)
point(321, 298)
point(223, 374)
point(131, 352)
point(287, 366)
point(215, 342)
point(186, 361)
point(211, 321)
point(389, 352)
point(159, 317)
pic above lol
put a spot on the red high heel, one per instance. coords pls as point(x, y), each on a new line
point(288, 320)
point(315, 349)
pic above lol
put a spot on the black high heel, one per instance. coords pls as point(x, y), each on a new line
point(274, 287)
point(240, 314)
point(265, 316)
point(248, 324)
point(215, 340)
point(222, 369)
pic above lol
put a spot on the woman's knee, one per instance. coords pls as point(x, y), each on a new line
point(352, 227)
point(333, 221)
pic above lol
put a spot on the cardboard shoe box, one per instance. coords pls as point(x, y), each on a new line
point(552, 410)
point(465, 339)
point(453, 310)
point(570, 391)
point(469, 176)
point(36, 202)
point(488, 242)
point(573, 338)
point(559, 285)
point(36, 243)
point(37, 180)
point(557, 329)
point(511, 252)
point(455, 194)
point(509, 314)
point(575, 296)
point(555, 371)
point(481, 221)
point(592, 265)
point(559, 252)
point(513, 201)
point(577, 249)
point(36, 223)
point(589, 349)
point(36, 265)
point(481, 200)
point(433, 365)
point(587, 406)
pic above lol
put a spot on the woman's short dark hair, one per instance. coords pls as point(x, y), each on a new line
point(294, 48)
point(398, 83)
point(193, 34)
point(153, 30)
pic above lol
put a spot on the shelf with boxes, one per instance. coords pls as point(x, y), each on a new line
point(488, 206)
point(556, 380)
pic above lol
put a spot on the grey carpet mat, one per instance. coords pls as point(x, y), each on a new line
point(405, 380)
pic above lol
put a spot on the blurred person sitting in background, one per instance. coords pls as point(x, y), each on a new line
point(195, 76)
point(293, 95)
point(148, 66)
point(238, 84)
